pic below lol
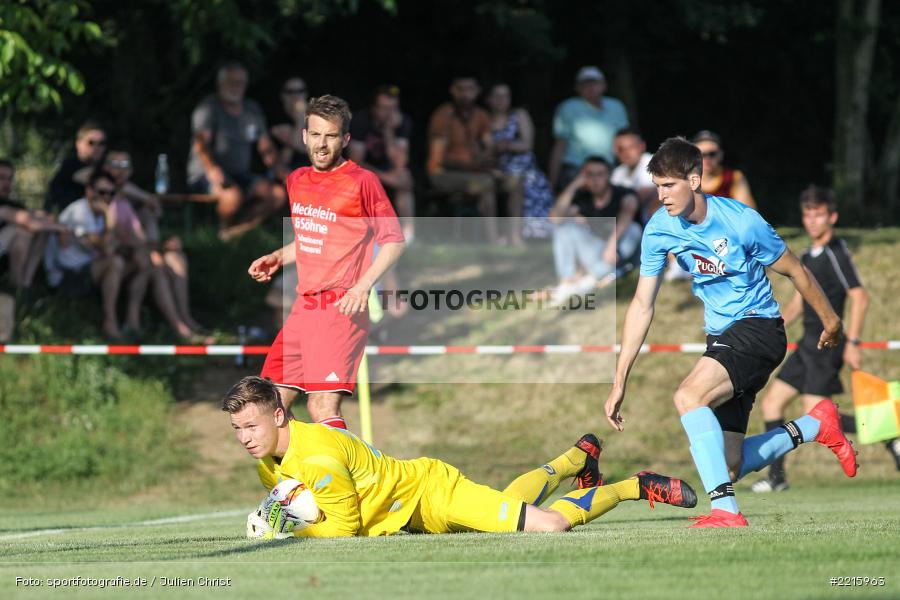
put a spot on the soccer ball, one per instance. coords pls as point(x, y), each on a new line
point(297, 502)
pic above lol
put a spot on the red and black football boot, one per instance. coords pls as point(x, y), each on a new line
point(589, 476)
point(668, 490)
point(718, 519)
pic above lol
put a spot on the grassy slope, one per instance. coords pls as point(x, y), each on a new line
point(796, 543)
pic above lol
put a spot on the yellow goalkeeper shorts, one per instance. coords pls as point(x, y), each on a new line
point(453, 503)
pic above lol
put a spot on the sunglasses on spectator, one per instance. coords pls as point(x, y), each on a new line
point(104, 193)
point(713, 154)
point(293, 90)
point(120, 164)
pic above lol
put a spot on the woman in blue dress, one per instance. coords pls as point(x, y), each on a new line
point(513, 136)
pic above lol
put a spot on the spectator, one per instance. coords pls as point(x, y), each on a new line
point(459, 157)
point(23, 233)
point(631, 152)
point(513, 139)
point(67, 184)
point(167, 263)
point(585, 232)
point(584, 126)
point(379, 141)
point(89, 254)
point(288, 133)
point(226, 127)
point(719, 180)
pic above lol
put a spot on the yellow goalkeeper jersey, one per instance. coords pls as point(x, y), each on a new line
point(360, 490)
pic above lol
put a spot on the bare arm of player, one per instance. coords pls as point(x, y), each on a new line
point(634, 332)
point(793, 309)
point(263, 268)
point(791, 267)
point(357, 298)
point(859, 304)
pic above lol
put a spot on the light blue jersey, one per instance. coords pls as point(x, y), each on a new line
point(726, 254)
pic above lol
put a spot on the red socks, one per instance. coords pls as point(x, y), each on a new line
point(336, 421)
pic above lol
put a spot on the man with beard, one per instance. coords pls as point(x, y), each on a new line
point(339, 211)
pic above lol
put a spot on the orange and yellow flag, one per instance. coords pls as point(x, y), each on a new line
point(877, 406)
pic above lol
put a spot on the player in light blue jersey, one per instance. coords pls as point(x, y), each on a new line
point(726, 246)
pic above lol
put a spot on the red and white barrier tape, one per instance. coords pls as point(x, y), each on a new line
point(225, 350)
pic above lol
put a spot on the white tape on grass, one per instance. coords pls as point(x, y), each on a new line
point(148, 523)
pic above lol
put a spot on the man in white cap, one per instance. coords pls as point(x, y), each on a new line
point(584, 125)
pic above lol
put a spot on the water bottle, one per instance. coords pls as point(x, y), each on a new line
point(240, 360)
point(162, 174)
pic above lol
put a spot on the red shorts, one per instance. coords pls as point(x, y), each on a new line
point(318, 349)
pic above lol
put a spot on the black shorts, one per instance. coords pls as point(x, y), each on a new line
point(750, 349)
point(813, 371)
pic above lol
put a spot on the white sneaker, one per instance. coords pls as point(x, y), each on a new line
point(764, 486)
point(585, 285)
point(562, 293)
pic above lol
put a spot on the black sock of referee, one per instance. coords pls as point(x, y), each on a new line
point(848, 423)
point(776, 469)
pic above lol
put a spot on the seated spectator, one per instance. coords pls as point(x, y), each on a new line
point(379, 141)
point(67, 184)
point(23, 233)
point(718, 179)
point(288, 132)
point(631, 173)
point(459, 157)
point(88, 255)
point(166, 262)
point(513, 137)
point(584, 126)
point(583, 237)
point(227, 128)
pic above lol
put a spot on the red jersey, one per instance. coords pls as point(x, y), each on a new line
point(337, 216)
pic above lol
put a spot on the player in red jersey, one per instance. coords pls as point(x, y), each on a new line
point(339, 211)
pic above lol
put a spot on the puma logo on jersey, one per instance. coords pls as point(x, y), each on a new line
point(708, 266)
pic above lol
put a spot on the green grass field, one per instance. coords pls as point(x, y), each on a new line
point(797, 541)
point(183, 514)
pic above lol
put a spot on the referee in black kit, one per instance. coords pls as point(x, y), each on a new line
point(813, 373)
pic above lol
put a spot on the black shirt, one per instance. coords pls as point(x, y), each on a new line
point(9, 204)
point(584, 201)
point(362, 129)
point(63, 189)
point(834, 270)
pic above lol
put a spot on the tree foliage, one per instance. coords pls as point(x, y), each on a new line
point(36, 39)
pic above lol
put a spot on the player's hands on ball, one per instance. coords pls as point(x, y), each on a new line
point(613, 405)
point(355, 301)
point(264, 267)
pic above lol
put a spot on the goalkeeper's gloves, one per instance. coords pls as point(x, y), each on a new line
point(270, 521)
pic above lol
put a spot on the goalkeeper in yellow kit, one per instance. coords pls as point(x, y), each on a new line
point(362, 492)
